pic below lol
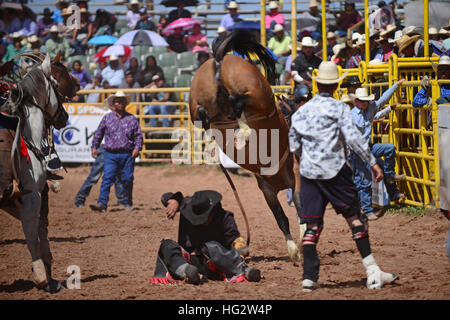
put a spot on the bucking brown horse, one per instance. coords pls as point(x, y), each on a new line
point(228, 92)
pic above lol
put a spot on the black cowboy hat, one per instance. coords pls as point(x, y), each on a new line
point(350, 81)
point(197, 209)
point(47, 12)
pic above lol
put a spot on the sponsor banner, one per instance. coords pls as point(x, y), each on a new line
point(73, 143)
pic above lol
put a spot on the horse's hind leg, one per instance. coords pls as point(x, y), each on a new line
point(270, 194)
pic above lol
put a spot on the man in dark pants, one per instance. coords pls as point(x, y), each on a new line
point(206, 244)
point(319, 133)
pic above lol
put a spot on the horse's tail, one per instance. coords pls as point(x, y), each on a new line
point(243, 42)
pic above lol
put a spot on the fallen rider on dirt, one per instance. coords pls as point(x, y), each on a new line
point(207, 241)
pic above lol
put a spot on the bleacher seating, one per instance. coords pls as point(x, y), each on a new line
point(167, 59)
point(157, 50)
point(186, 59)
point(181, 81)
point(169, 74)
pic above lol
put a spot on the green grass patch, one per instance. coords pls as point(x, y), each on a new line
point(411, 211)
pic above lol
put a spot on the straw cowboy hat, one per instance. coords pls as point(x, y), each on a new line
point(443, 61)
point(65, 12)
point(198, 208)
point(273, 5)
point(361, 94)
point(309, 42)
point(221, 29)
point(118, 94)
point(346, 99)
point(389, 29)
point(313, 3)
point(299, 46)
point(233, 5)
point(16, 35)
point(328, 73)
point(444, 32)
point(278, 28)
point(331, 35)
point(405, 41)
point(133, 2)
point(397, 36)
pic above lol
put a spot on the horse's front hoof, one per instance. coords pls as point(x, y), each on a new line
point(39, 273)
point(53, 286)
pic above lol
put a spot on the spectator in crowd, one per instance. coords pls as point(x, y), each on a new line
point(373, 44)
point(347, 19)
point(381, 17)
point(100, 66)
point(14, 48)
point(358, 53)
point(135, 69)
point(341, 53)
point(386, 49)
point(197, 41)
point(144, 22)
point(57, 43)
point(232, 16)
point(133, 14)
point(331, 40)
point(7, 17)
point(352, 83)
point(57, 15)
point(162, 23)
point(151, 69)
point(36, 45)
point(279, 43)
point(82, 4)
point(82, 34)
point(406, 46)
point(158, 82)
point(179, 12)
point(44, 24)
point(311, 20)
point(221, 32)
point(443, 73)
point(274, 17)
point(433, 34)
point(176, 41)
point(96, 84)
point(113, 73)
point(288, 65)
point(103, 23)
point(443, 35)
point(131, 83)
point(27, 24)
point(79, 72)
point(365, 111)
point(306, 61)
point(123, 141)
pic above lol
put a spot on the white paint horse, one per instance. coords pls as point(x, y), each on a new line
point(41, 107)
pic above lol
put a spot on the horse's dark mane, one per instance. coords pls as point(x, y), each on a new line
point(32, 84)
point(243, 42)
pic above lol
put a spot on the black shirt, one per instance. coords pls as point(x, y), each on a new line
point(304, 65)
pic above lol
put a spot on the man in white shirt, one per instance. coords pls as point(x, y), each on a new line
point(311, 20)
point(319, 133)
point(113, 73)
point(133, 14)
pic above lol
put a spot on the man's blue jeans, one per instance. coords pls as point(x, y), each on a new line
point(159, 109)
point(94, 176)
point(117, 165)
point(363, 174)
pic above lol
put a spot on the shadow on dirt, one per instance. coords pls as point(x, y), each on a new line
point(18, 286)
point(55, 239)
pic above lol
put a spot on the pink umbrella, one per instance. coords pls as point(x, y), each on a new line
point(185, 23)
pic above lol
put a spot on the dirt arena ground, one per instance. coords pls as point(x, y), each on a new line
point(116, 251)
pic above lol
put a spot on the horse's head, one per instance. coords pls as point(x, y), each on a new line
point(67, 84)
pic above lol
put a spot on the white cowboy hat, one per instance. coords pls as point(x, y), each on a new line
point(432, 31)
point(328, 73)
point(273, 5)
point(443, 31)
point(346, 99)
point(16, 35)
point(389, 28)
point(54, 29)
point(133, 2)
point(34, 38)
point(337, 48)
point(233, 5)
point(299, 46)
point(313, 3)
point(309, 42)
point(443, 61)
point(411, 30)
point(397, 36)
point(278, 28)
point(376, 61)
point(118, 94)
point(221, 29)
point(113, 57)
point(361, 94)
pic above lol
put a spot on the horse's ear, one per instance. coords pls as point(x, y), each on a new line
point(58, 57)
point(46, 65)
point(23, 66)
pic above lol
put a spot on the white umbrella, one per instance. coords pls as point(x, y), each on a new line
point(142, 38)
